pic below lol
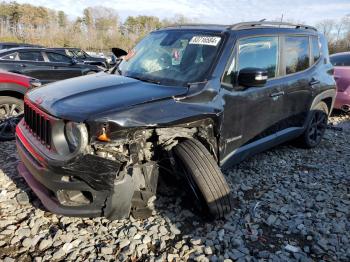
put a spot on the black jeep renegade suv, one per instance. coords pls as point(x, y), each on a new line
point(191, 99)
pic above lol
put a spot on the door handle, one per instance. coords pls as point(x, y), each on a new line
point(314, 82)
point(55, 67)
point(281, 93)
point(23, 65)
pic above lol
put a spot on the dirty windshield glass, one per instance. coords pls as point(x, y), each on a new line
point(172, 57)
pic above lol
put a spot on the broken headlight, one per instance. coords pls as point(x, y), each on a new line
point(74, 133)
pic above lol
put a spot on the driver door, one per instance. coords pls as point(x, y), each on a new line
point(251, 113)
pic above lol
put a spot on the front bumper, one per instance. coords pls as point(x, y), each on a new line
point(95, 180)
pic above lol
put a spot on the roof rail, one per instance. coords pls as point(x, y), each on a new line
point(248, 25)
point(194, 24)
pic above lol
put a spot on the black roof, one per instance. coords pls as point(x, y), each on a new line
point(15, 49)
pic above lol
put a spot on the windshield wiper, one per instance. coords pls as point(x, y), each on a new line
point(146, 80)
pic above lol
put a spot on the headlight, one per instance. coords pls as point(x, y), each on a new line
point(73, 135)
point(35, 83)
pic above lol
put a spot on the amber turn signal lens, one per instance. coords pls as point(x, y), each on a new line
point(103, 137)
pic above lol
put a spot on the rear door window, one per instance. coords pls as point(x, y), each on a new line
point(296, 54)
point(57, 58)
point(31, 56)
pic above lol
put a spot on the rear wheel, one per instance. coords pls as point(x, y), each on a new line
point(10, 111)
point(316, 127)
point(207, 183)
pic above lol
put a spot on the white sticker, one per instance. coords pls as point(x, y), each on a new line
point(205, 40)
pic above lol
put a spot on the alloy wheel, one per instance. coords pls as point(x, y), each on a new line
point(10, 115)
point(317, 127)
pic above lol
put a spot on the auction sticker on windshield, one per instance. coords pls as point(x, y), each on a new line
point(205, 40)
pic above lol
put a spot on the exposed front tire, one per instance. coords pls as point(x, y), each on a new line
point(205, 178)
point(316, 127)
point(10, 109)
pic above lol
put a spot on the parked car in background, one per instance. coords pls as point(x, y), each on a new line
point(83, 57)
point(341, 63)
point(189, 100)
point(43, 64)
point(12, 90)
point(9, 45)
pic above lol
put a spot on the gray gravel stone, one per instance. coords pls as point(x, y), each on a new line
point(106, 250)
point(58, 255)
point(44, 244)
point(22, 198)
point(124, 243)
point(23, 232)
point(27, 242)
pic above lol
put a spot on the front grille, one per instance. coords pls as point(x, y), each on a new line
point(38, 123)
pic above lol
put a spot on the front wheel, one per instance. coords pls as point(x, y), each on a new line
point(207, 183)
point(10, 111)
point(316, 127)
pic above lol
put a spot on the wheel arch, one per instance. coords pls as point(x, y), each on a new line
point(328, 97)
point(12, 93)
point(203, 130)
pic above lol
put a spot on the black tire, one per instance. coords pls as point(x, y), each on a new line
point(10, 108)
point(316, 127)
point(206, 180)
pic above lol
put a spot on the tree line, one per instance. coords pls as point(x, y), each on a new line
point(97, 29)
point(100, 28)
point(337, 33)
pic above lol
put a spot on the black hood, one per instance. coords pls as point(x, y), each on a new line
point(79, 99)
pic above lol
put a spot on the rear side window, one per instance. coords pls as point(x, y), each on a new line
point(296, 54)
point(31, 56)
point(259, 52)
point(315, 49)
point(340, 60)
point(58, 58)
point(12, 56)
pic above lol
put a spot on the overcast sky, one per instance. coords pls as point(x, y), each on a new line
point(212, 11)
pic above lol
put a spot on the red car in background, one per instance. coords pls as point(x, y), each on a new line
point(341, 63)
point(12, 90)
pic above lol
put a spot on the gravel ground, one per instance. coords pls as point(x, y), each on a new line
point(291, 205)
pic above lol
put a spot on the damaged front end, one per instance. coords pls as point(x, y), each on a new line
point(97, 170)
point(77, 177)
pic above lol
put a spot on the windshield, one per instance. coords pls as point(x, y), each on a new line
point(172, 57)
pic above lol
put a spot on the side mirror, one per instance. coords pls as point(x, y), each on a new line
point(249, 77)
point(74, 61)
point(119, 52)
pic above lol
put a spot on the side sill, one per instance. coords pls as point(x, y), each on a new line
point(260, 145)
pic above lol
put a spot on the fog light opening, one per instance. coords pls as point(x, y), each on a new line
point(73, 197)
